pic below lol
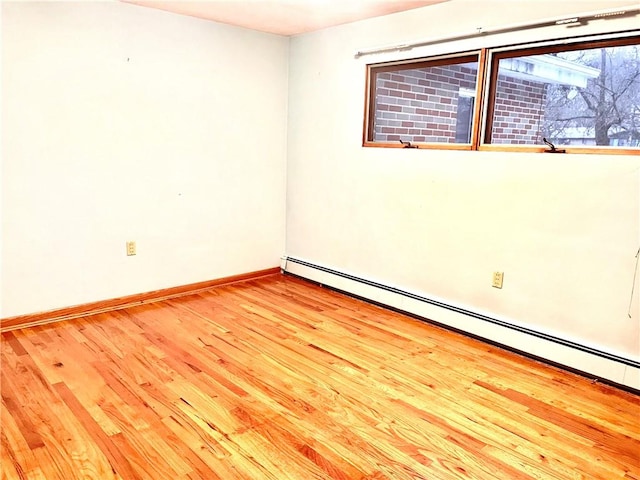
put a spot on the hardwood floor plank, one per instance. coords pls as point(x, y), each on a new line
point(23, 422)
point(15, 344)
point(192, 448)
point(18, 460)
point(276, 378)
point(118, 461)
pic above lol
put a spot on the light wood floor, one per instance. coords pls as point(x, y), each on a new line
point(279, 379)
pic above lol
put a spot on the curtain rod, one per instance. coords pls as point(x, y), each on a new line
point(571, 21)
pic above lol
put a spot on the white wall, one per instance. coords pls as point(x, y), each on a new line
point(125, 123)
point(564, 229)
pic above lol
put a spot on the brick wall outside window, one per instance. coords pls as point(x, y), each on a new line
point(420, 105)
point(518, 113)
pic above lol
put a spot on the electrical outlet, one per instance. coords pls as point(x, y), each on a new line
point(498, 277)
point(131, 248)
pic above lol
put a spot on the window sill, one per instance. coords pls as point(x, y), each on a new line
point(568, 150)
point(420, 146)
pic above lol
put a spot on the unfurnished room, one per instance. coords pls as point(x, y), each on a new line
point(320, 240)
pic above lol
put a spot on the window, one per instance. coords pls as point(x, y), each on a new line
point(583, 97)
point(423, 102)
point(464, 115)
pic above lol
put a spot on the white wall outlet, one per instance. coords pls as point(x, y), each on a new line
point(131, 248)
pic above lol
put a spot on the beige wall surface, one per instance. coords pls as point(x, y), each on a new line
point(125, 123)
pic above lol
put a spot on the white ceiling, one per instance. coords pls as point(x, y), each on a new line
point(285, 17)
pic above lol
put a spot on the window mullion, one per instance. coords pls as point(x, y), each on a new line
point(479, 106)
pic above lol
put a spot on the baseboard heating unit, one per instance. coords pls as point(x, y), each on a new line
point(587, 360)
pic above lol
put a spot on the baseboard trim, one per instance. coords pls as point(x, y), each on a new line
point(571, 355)
point(102, 306)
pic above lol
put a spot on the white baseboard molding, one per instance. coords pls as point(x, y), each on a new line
point(588, 360)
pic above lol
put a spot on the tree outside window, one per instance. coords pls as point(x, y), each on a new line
point(605, 112)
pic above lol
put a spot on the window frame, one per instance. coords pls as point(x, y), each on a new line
point(486, 86)
point(435, 61)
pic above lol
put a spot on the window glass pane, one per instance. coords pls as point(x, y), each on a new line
point(427, 104)
point(585, 97)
